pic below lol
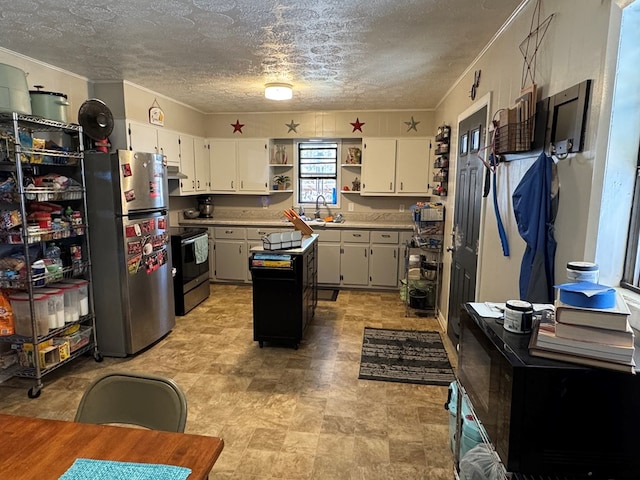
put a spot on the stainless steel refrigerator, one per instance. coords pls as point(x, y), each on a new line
point(128, 202)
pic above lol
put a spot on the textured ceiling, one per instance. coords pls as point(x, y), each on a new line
point(216, 55)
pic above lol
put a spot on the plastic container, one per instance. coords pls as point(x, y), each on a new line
point(518, 315)
point(55, 306)
point(583, 272)
point(471, 436)
point(83, 294)
point(71, 302)
point(22, 313)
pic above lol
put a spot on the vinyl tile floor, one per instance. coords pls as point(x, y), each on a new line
point(283, 413)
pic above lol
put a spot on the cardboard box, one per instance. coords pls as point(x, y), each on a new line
point(48, 353)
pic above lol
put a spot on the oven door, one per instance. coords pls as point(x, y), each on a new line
point(195, 267)
point(479, 371)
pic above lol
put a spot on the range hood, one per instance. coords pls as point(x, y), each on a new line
point(174, 173)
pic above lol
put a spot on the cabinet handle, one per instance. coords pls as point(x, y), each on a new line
point(261, 232)
point(228, 231)
point(198, 183)
point(394, 254)
point(232, 184)
point(386, 235)
point(357, 234)
point(365, 253)
point(239, 248)
point(401, 185)
point(390, 185)
point(241, 183)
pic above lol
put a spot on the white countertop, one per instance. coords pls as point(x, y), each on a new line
point(306, 243)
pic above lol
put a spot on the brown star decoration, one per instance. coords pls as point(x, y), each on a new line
point(357, 125)
point(237, 127)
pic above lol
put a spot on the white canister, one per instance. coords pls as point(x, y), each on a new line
point(518, 315)
point(583, 272)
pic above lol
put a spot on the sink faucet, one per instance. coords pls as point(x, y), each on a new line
point(324, 202)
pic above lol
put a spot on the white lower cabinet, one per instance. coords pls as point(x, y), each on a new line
point(328, 257)
point(354, 261)
point(384, 258)
point(230, 249)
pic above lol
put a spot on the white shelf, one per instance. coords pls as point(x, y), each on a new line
point(346, 192)
point(281, 165)
point(358, 165)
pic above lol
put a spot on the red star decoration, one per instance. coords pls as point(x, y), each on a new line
point(237, 127)
point(357, 125)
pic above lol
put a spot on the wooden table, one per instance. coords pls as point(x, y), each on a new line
point(44, 449)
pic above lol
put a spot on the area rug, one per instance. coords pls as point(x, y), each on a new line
point(327, 294)
point(406, 356)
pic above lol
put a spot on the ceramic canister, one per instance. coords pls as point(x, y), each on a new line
point(518, 315)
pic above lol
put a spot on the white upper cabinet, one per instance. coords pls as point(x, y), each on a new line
point(413, 165)
point(187, 165)
point(223, 161)
point(253, 165)
point(378, 166)
point(239, 166)
point(202, 165)
point(396, 166)
point(142, 137)
point(169, 146)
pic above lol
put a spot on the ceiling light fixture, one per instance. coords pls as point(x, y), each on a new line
point(278, 91)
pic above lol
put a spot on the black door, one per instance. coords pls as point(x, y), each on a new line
point(466, 226)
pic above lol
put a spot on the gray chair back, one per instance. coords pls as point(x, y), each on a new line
point(148, 401)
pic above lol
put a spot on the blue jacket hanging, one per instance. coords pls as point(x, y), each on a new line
point(535, 206)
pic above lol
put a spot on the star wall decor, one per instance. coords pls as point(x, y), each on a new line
point(357, 125)
point(412, 125)
point(292, 127)
point(237, 127)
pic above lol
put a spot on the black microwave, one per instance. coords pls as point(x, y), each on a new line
point(547, 417)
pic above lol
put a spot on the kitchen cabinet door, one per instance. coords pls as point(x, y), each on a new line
point(413, 166)
point(231, 260)
point(202, 167)
point(253, 165)
point(383, 265)
point(354, 264)
point(223, 162)
point(169, 146)
point(328, 263)
point(378, 166)
point(187, 165)
point(142, 137)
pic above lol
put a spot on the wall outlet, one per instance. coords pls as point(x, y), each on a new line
point(401, 209)
point(350, 207)
point(264, 201)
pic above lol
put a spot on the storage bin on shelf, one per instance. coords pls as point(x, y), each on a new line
point(76, 340)
point(55, 306)
point(71, 301)
point(83, 294)
point(470, 426)
point(22, 313)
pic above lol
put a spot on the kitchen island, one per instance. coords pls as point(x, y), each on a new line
point(285, 291)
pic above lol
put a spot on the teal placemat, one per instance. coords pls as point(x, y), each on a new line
point(88, 469)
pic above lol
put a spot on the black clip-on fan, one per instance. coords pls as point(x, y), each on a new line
point(97, 122)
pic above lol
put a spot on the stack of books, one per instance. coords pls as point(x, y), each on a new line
point(589, 336)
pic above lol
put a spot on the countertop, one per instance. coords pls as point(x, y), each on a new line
point(277, 223)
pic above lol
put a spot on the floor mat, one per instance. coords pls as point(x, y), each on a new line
point(406, 356)
point(327, 295)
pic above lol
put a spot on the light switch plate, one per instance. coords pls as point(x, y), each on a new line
point(350, 206)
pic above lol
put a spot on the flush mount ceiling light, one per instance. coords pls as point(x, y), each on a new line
point(278, 91)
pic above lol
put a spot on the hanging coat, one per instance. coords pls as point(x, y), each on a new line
point(534, 206)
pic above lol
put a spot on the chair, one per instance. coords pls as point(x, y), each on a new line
point(147, 401)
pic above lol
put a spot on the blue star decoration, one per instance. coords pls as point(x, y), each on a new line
point(412, 125)
point(292, 127)
point(237, 127)
point(357, 125)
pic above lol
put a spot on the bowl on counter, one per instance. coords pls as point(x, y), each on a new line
point(191, 213)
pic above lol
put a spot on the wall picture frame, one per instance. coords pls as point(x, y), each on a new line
point(156, 114)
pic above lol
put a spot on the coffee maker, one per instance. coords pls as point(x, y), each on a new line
point(205, 206)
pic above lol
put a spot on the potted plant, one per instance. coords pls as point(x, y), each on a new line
point(280, 182)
